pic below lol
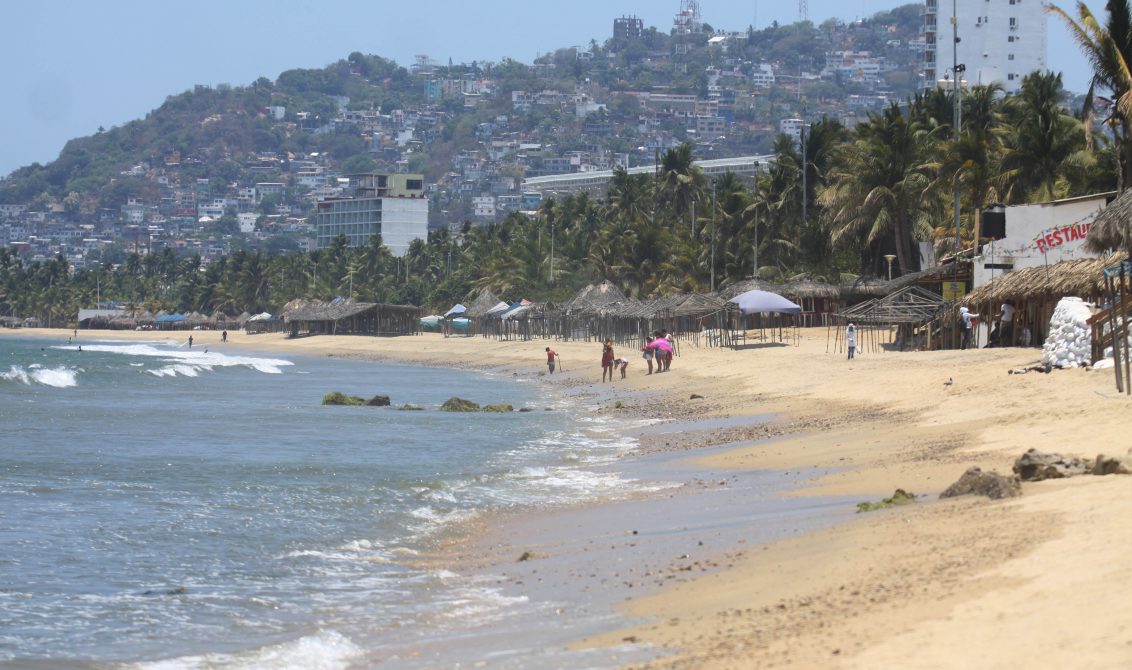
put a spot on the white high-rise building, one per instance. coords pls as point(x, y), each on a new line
point(1000, 41)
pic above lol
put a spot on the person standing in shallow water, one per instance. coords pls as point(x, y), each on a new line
point(607, 358)
point(550, 356)
point(851, 340)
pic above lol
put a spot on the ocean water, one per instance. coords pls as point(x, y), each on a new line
point(169, 508)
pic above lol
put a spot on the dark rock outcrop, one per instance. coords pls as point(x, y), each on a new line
point(1034, 466)
point(498, 408)
point(455, 404)
point(378, 401)
point(990, 484)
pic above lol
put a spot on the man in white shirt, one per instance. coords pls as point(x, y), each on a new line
point(1006, 325)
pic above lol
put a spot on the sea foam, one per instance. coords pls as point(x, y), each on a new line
point(58, 377)
point(188, 362)
point(325, 650)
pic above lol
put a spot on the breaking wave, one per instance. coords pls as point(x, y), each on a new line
point(58, 377)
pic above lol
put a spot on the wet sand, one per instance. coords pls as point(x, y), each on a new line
point(1037, 581)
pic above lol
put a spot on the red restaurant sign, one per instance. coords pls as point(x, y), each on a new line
point(1051, 238)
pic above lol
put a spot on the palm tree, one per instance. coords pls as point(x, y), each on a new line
point(1044, 144)
point(629, 196)
point(682, 182)
point(876, 187)
point(1108, 48)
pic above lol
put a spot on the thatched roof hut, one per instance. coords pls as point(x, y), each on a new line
point(1112, 229)
point(349, 317)
point(1082, 278)
point(699, 304)
point(856, 288)
point(805, 288)
point(933, 275)
point(731, 290)
point(481, 304)
point(592, 298)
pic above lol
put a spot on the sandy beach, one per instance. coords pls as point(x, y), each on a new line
point(1039, 581)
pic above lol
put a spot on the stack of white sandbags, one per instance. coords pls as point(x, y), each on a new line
point(1069, 341)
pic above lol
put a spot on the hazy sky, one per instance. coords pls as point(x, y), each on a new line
point(68, 67)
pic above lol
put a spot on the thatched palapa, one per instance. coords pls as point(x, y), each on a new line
point(1112, 229)
point(345, 317)
point(1083, 278)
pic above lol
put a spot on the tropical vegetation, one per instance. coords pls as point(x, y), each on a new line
point(883, 187)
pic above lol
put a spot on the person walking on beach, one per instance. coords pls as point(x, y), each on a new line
point(965, 317)
point(670, 351)
point(190, 341)
point(224, 336)
point(648, 351)
point(851, 340)
point(550, 356)
point(607, 358)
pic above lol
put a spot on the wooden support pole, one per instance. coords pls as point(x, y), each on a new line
point(1124, 331)
point(1110, 286)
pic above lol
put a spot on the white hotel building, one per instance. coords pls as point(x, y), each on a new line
point(1000, 41)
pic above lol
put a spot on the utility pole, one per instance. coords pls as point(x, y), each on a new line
point(804, 171)
point(713, 236)
point(755, 249)
point(956, 93)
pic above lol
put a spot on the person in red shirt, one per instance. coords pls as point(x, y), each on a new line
point(550, 356)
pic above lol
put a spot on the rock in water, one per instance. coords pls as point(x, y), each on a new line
point(455, 404)
point(378, 401)
point(498, 408)
point(339, 398)
point(990, 484)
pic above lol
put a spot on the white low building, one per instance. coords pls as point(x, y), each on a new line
point(1040, 234)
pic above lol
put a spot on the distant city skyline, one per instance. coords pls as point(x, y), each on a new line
point(71, 67)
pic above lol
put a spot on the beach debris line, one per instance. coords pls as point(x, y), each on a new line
point(990, 484)
point(899, 497)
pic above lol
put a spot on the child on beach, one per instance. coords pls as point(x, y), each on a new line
point(851, 339)
point(622, 363)
point(647, 352)
point(607, 359)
